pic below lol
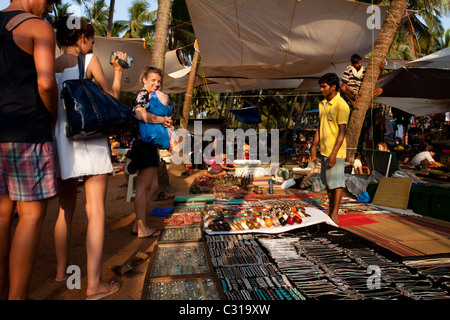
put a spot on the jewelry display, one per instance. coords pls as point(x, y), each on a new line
point(180, 267)
point(254, 215)
point(181, 234)
point(180, 259)
point(245, 271)
point(321, 269)
point(250, 264)
point(190, 207)
point(183, 289)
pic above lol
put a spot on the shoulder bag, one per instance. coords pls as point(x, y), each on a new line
point(92, 113)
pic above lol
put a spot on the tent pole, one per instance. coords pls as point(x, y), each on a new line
point(389, 165)
point(189, 90)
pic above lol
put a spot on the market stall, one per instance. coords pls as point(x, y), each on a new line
point(221, 245)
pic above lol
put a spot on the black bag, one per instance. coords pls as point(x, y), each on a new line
point(92, 113)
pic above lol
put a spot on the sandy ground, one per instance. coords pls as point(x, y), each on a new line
point(120, 246)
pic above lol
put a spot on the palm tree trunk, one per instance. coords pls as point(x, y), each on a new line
point(158, 60)
point(161, 31)
point(382, 45)
point(291, 112)
point(111, 17)
point(189, 90)
point(300, 113)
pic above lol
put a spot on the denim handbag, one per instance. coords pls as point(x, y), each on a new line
point(92, 113)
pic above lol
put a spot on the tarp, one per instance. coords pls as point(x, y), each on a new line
point(420, 87)
point(175, 72)
point(248, 115)
point(262, 44)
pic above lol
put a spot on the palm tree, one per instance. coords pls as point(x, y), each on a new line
point(444, 42)
point(423, 35)
point(411, 41)
point(118, 27)
point(98, 14)
point(161, 31)
point(59, 10)
point(381, 49)
point(112, 4)
point(139, 15)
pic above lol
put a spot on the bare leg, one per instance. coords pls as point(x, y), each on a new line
point(334, 199)
point(67, 205)
point(24, 246)
point(146, 186)
point(6, 216)
point(95, 187)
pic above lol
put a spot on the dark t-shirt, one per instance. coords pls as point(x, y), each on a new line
point(23, 115)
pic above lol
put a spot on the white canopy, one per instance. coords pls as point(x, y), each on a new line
point(175, 77)
point(261, 44)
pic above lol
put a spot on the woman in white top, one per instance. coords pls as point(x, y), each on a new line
point(88, 158)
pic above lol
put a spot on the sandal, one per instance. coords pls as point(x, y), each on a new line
point(126, 270)
point(113, 288)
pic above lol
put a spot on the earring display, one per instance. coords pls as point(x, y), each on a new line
point(190, 207)
point(188, 233)
point(181, 271)
point(198, 288)
point(180, 259)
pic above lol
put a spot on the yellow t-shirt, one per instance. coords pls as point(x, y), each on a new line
point(331, 115)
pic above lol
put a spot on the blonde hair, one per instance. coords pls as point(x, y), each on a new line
point(383, 146)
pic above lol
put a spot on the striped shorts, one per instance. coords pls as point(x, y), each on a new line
point(27, 171)
point(333, 177)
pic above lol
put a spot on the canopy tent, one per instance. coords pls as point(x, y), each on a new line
point(262, 44)
point(175, 72)
point(420, 86)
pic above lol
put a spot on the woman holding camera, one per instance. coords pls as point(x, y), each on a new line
point(88, 159)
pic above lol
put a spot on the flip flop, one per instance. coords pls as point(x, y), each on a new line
point(154, 234)
point(61, 280)
point(112, 289)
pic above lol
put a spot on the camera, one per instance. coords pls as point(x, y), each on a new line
point(124, 64)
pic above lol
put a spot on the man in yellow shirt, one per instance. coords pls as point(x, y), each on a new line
point(333, 115)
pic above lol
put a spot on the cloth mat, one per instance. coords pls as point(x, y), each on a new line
point(405, 235)
point(348, 220)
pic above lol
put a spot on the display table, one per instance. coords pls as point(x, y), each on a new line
point(246, 168)
point(316, 216)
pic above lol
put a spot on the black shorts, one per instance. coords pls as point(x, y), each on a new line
point(143, 155)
